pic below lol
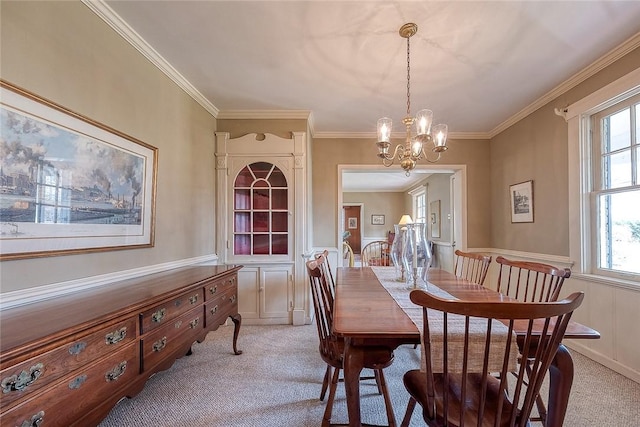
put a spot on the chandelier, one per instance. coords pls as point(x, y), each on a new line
point(413, 149)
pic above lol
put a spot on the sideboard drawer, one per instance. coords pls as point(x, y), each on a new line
point(67, 400)
point(217, 287)
point(31, 375)
point(218, 309)
point(163, 341)
point(162, 313)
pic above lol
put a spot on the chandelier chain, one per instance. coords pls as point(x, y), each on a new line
point(408, 80)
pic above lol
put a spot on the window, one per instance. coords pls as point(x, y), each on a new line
point(615, 192)
point(53, 195)
point(260, 211)
point(419, 196)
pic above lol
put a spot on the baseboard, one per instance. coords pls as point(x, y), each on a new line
point(603, 360)
point(54, 290)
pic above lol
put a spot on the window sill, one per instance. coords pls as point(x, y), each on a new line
point(609, 281)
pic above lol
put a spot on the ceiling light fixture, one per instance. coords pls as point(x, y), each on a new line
point(414, 147)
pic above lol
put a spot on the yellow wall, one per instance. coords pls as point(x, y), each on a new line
point(389, 204)
point(64, 52)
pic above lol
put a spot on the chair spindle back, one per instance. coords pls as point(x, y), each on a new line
point(530, 281)
point(472, 266)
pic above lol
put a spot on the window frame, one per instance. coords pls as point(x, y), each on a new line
point(582, 213)
point(599, 186)
point(418, 193)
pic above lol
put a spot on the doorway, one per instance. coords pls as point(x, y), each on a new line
point(352, 226)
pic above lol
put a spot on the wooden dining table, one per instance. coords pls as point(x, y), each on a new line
point(366, 315)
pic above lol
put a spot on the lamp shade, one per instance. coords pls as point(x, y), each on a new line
point(406, 219)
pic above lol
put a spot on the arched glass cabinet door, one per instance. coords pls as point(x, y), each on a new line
point(260, 211)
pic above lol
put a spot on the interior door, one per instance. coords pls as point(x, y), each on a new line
point(351, 215)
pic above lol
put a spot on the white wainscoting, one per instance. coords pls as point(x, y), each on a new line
point(442, 256)
point(611, 308)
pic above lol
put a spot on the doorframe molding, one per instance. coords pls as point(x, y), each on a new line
point(439, 168)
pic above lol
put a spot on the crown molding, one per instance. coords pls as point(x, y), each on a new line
point(100, 8)
point(624, 48)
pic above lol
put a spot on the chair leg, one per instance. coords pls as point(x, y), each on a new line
point(407, 416)
point(377, 374)
point(326, 420)
point(542, 410)
point(387, 399)
point(325, 382)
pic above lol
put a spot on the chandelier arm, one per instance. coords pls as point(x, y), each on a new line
point(388, 159)
point(426, 157)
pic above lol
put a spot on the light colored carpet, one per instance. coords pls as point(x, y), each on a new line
point(277, 380)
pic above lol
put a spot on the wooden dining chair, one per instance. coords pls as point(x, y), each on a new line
point(332, 347)
point(472, 266)
point(462, 396)
point(531, 282)
point(347, 253)
point(376, 253)
point(326, 266)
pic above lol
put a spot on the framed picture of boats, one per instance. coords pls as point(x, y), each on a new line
point(69, 184)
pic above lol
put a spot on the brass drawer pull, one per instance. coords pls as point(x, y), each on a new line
point(160, 344)
point(193, 299)
point(77, 382)
point(213, 289)
point(116, 372)
point(23, 380)
point(233, 299)
point(35, 421)
point(194, 323)
point(77, 348)
point(214, 310)
point(158, 315)
point(116, 336)
point(177, 324)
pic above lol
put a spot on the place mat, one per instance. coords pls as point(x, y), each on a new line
point(455, 324)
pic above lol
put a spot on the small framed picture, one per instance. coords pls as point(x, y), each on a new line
point(352, 223)
point(521, 197)
point(377, 219)
point(434, 209)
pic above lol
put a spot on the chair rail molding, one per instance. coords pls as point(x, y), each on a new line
point(40, 293)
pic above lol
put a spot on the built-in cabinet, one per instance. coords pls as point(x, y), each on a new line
point(261, 223)
point(266, 293)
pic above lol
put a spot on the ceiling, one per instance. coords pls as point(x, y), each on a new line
point(476, 64)
point(381, 180)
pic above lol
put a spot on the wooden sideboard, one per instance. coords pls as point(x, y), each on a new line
point(67, 361)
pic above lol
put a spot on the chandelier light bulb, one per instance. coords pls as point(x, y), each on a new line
point(384, 129)
point(424, 118)
point(440, 140)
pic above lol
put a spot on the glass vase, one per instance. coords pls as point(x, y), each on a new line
point(396, 250)
point(416, 255)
